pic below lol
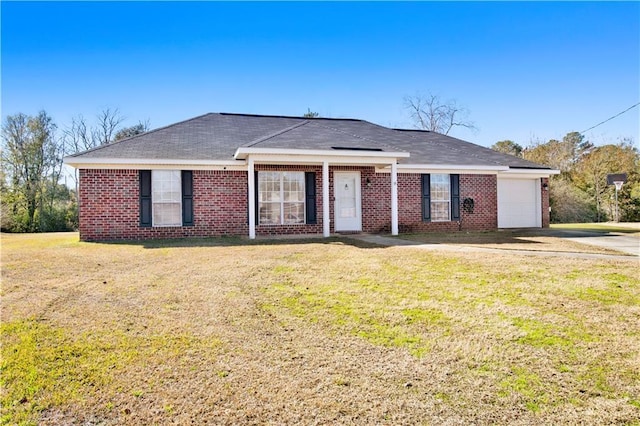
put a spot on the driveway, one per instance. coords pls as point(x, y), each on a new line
point(626, 243)
point(622, 242)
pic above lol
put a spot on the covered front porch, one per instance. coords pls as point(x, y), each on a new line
point(340, 169)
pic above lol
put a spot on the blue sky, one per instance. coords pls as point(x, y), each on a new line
point(526, 71)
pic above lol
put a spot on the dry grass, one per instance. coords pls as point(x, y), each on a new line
point(315, 332)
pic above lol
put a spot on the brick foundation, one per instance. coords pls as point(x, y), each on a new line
point(109, 205)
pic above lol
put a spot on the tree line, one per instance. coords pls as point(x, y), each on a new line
point(34, 193)
point(580, 192)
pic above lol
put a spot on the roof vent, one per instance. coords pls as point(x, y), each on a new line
point(351, 148)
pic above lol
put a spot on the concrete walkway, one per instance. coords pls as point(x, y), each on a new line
point(389, 241)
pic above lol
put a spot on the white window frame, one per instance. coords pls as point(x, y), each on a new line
point(281, 198)
point(171, 180)
point(439, 179)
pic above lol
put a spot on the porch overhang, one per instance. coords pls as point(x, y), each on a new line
point(319, 156)
point(325, 157)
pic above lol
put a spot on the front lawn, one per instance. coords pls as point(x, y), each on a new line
point(622, 227)
point(316, 331)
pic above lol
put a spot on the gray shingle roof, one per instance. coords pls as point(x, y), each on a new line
point(216, 136)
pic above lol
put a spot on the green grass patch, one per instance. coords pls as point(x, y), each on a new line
point(45, 366)
point(345, 312)
point(540, 334)
point(528, 385)
point(612, 288)
point(597, 227)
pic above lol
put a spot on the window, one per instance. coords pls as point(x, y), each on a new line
point(440, 197)
point(166, 198)
point(281, 198)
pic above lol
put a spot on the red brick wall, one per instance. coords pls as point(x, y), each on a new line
point(481, 188)
point(109, 204)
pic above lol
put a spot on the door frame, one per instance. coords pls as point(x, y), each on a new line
point(356, 226)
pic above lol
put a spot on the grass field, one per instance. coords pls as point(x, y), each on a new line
point(313, 332)
point(622, 227)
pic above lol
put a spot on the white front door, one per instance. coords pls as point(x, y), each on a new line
point(347, 208)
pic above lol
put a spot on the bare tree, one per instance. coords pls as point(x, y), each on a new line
point(108, 123)
point(80, 136)
point(429, 112)
point(77, 136)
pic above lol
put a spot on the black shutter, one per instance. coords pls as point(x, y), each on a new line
point(455, 197)
point(187, 198)
point(310, 198)
point(426, 198)
point(145, 198)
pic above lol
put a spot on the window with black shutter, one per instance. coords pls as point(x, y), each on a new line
point(440, 197)
point(166, 198)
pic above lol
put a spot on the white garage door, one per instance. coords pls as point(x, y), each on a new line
point(519, 203)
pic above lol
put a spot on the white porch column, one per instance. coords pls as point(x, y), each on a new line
point(394, 198)
point(252, 198)
point(326, 220)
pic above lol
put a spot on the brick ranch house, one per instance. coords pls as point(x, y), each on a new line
point(252, 175)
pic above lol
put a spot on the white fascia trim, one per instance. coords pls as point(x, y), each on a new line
point(527, 173)
point(445, 168)
point(243, 153)
point(318, 160)
point(146, 163)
